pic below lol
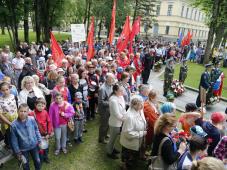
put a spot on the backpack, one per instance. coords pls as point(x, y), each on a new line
point(157, 162)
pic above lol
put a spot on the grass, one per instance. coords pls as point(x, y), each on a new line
point(194, 74)
point(86, 156)
point(5, 40)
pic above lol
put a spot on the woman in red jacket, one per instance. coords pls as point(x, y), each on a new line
point(151, 115)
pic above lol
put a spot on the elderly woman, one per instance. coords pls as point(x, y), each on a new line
point(164, 143)
point(117, 115)
point(151, 114)
point(126, 91)
point(30, 92)
point(133, 132)
point(168, 107)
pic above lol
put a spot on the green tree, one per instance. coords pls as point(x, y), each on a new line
point(216, 11)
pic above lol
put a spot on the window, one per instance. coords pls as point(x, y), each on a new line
point(191, 13)
point(187, 13)
point(167, 30)
point(182, 11)
point(169, 12)
point(199, 16)
point(158, 10)
point(195, 15)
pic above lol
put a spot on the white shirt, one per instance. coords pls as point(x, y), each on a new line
point(117, 111)
point(133, 130)
point(18, 63)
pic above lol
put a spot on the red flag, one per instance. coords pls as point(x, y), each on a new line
point(112, 26)
point(135, 28)
point(57, 52)
point(125, 34)
point(90, 40)
point(134, 32)
point(187, 39)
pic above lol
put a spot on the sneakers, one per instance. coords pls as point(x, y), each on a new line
point(57, 152)
point(64, 151)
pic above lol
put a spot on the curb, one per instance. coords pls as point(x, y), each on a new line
point(196, 90)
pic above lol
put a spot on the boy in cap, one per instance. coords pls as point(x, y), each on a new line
point(213, 129)
point(79, 117)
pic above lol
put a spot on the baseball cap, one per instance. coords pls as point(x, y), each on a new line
point(218, 117)
point(197, 130)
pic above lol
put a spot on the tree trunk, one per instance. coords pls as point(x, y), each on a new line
point(215, 11)
point(88, 15)
point(3, 29)
point(46, 24)
point(100, 29)
point(135, 11)
point(14, 23)
point(219, 35)
point(85, 15)
point(26, 26)
point(37, 20)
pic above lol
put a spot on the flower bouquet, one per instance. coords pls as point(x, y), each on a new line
point(157, 66)
point(177, 88)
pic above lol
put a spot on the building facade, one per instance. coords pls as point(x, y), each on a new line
point(178, 16)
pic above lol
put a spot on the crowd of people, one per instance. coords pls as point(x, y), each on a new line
point(40, 100)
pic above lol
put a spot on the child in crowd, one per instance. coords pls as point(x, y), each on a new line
point(45, 127)
point(25, 138)
point(8, 111)
point(213, 129)
point(79, 117)
point(60, 112)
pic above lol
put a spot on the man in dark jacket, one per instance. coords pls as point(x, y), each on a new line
point(148, 62)
point(204, 85)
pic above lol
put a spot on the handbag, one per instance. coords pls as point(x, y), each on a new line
point(157, 162)
point(71, 125)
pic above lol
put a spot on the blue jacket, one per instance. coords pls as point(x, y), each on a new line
point(24, 135)
point(205, 80)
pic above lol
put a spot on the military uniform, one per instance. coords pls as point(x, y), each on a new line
point(168, 79)
point(183, 73)
point(204, 85)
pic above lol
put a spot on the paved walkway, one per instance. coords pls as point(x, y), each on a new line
point(187, 97)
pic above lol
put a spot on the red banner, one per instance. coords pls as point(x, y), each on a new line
point(125, 35)
point(57, 52)
point(112, 26)
point(90, 40)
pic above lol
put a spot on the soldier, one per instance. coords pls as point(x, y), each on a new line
point(183, 71)
point(215, 72)
point(204, 85)
point(168, 75)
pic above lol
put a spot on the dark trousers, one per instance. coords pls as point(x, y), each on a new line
point(92, 103)
point(7, 138)
point(145, 75)
point(35, 157)
point(43, 154)
point(104, 125)
point(129, 157)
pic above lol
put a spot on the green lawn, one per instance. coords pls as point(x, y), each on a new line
point(194, 74)
point(90, 155)
point(4, 39)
